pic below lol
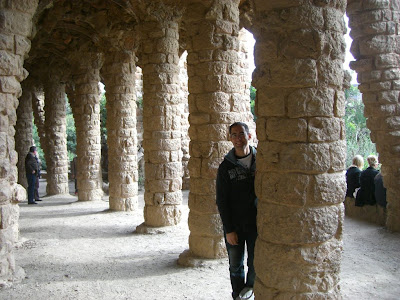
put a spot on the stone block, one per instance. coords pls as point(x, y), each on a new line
point(330, 72)
point(202, 204)
point(173, 198)
point(273, 156)
point(291, 73)
point(202, 186)
point(283, 224)
point(207, 247)
point(313, 269)
point(286, 130)
point(378, 44)
point(388, 97)
point(270, 102)
point(9, 84)
point(160, 216)
point(337, 155)
point(311, 102)
point(324, 129)
point(209, 225)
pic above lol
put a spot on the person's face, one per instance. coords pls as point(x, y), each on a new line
point(239, 137)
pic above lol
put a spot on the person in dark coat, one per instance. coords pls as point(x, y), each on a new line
point(353, 175)
point(366, 194)
point(31, 169)
point(237, 205)
point(39, 163)
point(380, 190)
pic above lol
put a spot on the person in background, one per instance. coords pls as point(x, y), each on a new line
point(353, 175)
point(39, 163)
point(380, 190)
point(74, 172)
point(31, 169)
point(237, 205)
point(366, 194)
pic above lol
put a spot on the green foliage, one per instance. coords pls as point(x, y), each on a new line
point(357, 134)
point(103, 116)
point(253, 92)
point(71, 133)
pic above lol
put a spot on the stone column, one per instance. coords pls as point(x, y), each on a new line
point(215, 102)
point(23, 131)
point(119, 77)
point(86, 109)
point(300, 161)
point(375, 32)
point(16, 27)
point(39, 117)
point(56, 136)
point(161, 121)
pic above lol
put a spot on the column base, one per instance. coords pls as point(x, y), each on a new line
point(188, 259)
point(146, 229)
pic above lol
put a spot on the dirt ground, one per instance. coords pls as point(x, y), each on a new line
point(80, 250)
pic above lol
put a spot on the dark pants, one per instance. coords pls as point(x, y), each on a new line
point(236, 260)
point(37, 189)
point(31, 187)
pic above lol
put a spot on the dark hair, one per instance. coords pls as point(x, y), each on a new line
point(32, 149)
point(244, 125)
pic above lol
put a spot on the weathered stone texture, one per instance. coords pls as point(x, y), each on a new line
point(299, 181)
point(374, 28)
point(118, 72)
point(85, 104)
point(56, 137)
point(162, 138)
point(218, 97)
point(15, 28)
point(23, 132)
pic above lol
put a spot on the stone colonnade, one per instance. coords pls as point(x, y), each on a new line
point(14, 46)
point(161, 121)
point(85, 106)
point(300, 102)
point(56, 135)
point(300, 184)
point(119, 75)
point(375, 32)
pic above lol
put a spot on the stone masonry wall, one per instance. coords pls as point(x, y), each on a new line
point(300, 185)
point(15, 28)
point(375, 32)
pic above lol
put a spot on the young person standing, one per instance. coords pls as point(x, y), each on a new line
point(237, 205)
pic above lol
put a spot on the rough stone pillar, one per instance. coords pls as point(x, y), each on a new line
point(161, 121)
point(375, 32)
point(15, 28)
point(119, 74)
point(56, 136)
point(215, 101)
point(86, 109)
point(23, 131)
point(39, 117)
point(300, 185)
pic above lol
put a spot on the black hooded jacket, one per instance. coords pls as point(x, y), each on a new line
point(236, 198)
